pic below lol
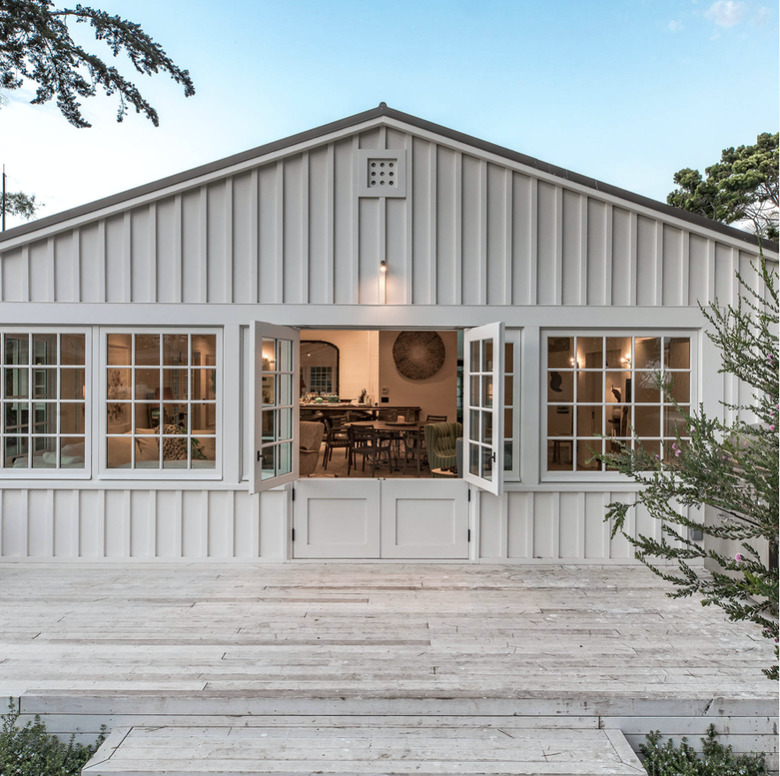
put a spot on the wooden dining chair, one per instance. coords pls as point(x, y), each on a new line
point(337, 437)
point(373, 447)
point(414, 449)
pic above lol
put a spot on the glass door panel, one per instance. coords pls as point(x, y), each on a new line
point(483, 433)
point(274, 405)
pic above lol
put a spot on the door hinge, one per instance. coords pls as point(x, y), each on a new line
point(293, 534)
point(469, 535)
point(469, 492)
point(293, 493)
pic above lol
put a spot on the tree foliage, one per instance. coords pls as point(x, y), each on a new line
point(732, 468)
point(30, 750)
point(743, 186)
point(36, 45)
point(19, 204)
point(667, 759)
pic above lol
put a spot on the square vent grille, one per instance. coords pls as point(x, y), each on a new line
point(382, 173)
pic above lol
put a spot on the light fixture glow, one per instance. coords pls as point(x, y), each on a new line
point(383, 266)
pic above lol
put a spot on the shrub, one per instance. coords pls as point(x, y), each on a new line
point(31, 751)
point(715, 760)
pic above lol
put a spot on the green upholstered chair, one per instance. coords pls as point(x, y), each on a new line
point(440, 443)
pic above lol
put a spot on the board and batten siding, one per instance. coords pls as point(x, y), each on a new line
point(166, 524)
point(474, 230)
point(471, 230)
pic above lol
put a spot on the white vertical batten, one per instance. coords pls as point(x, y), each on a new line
point(229, 227)
point(177, 248)
point(48, 529)
point(581, 525)
point(230, 420)
point(658, 297)
point(202, 293)
point(608, 251)
point(381, 236)
point(457, 227)
point(254, 236)
point(127, 257)
point(100, 528)
point(583, 257)
point(632, 257)
point(557, 281)
point(433, 159)
point(353, 257)
point(279, 225)
point(305, 257)
point(203, 525)
point(685, 269)
point(533, 240)
point(126, 519)
point(482, 226)
point(555, 526)
point(75, 266)
point(508, 240)
point(408, 263)
point(330, 231)
point(153, 257)
point(711, 269)
point(101, 262)
point(51, 277)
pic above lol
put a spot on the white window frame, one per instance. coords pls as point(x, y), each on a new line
point(514, 337)
point(57, 472)
point(107, 473)
point(547, 475)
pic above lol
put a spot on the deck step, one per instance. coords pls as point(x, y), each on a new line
point(356, 751)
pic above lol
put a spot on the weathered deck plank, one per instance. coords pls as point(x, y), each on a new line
point(125, 643)
point(463, 749)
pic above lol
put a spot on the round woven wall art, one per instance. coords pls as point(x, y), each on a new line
point(418, 354)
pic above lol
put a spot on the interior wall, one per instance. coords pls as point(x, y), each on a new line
point(437, 394)
point(358, 359)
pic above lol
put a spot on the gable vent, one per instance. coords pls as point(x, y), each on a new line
point(381, 173)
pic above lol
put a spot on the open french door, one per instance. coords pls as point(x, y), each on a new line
point(483, 407)
point(274, 388)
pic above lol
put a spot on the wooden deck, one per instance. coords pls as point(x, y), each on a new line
point(377, 644)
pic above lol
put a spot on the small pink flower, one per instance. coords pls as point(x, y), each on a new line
point(772, 427)
point(739, 557)
point(770, 358)
point(676, 449)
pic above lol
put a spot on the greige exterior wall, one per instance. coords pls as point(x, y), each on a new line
point(472, 230)
point(286, 238)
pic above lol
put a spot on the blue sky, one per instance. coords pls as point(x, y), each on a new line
point(626, 91)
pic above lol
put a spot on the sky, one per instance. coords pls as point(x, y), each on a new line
point(624, 91)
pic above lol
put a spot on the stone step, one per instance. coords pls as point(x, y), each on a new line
point(295, 750)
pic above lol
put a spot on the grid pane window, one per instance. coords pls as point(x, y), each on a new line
point(608, 386)
point(161, 401)
point(43, 384)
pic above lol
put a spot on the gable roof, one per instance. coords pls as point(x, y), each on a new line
point(380, 111)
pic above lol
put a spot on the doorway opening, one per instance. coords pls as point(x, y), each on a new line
point(381, 403)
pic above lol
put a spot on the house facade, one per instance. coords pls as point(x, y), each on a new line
point(153, 351)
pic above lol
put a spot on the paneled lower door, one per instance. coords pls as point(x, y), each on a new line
point(381, 519)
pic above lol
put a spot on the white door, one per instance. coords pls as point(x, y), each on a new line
point(275, 381)
point(483, 407)
point(425, 519)
point(336, 518)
